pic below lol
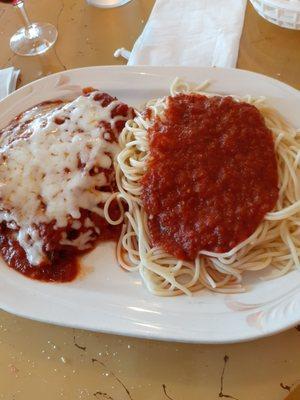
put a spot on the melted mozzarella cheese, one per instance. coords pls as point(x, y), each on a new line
point(45, 173)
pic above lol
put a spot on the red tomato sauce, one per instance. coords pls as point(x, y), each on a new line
point(64, 260)
point(211, 176)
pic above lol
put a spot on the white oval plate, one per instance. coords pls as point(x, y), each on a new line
point(106, 298)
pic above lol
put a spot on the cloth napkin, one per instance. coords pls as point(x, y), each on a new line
point(8, 81)
point(191, 33)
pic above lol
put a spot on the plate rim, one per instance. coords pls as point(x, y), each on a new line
point(139, 69)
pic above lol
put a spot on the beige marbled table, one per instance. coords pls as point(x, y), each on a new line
point(39, 361)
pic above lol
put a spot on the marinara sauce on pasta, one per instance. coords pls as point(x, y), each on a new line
point(211, 175)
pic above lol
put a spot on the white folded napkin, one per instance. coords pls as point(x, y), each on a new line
point(8, 81)
point(191, 32)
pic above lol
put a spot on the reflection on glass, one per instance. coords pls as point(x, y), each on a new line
point(108, 3)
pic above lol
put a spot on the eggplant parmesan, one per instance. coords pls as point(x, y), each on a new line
point(56, 173)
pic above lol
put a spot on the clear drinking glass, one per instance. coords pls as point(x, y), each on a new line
point(35, 37)
point(107, 3)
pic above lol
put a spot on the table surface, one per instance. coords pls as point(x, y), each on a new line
point(40, 361)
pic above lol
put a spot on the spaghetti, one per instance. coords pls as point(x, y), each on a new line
point(274, 243)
